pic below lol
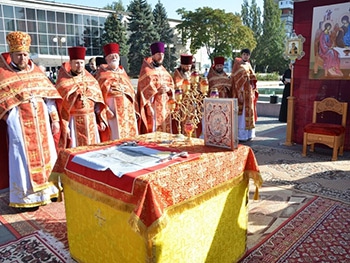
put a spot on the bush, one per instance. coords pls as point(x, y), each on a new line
point(268, 76)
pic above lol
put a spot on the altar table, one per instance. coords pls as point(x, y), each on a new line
point(191, 211)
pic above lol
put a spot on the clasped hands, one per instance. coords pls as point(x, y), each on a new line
point(163, 89)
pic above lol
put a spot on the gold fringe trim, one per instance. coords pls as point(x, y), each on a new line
point(55, 178)
point(97, 196)
point(258, 181)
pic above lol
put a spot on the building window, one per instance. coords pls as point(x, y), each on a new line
point(70, 29)
point(8, 11)
point(34, 38)
point(60, 17)
point(42, 40)
point(21, 25)
point(51, 16)
point(2, 39)
point(102, 21)
point(87, 20)
point(61, 29)
point(9, 25)
point(78, 19)
point(44, 50)
point(94, 21)
point(70, 41)
point(33, 49)
point(30, 13)
point(51, 28)
point(69, 18)
point(42, 27)
point(20, 13)
point(41, 14)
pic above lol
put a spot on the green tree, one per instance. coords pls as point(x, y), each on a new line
point(270, 48)
point(166, 35)
point(116, 6)
point(219, 32)
point(114, 31)
point(251, 17)
point(143, 34)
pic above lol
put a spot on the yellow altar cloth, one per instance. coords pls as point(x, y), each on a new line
point(193, 211)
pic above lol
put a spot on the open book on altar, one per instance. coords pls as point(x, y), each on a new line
point(221, 122)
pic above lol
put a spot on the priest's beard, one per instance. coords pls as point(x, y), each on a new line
point(157, 63)
point(114, 64)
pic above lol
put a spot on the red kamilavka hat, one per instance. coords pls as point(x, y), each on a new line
point(111, 48)
point(186, 59)
point(76, 52)
point(219, 60)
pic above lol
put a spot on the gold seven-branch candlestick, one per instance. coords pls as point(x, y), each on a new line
point(187, 107)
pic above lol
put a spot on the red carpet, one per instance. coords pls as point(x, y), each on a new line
point(36, 247)
point(320, 232)
point(51, 219)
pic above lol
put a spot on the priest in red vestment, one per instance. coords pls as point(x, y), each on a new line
point(119, 95)
point(218, 78)
point(28, 106)
point(155, 87)
point(82, 109)
point(184, 71)
point(244, 88)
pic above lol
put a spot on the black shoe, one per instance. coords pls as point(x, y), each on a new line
point(28, 209)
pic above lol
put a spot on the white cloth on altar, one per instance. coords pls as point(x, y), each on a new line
point(121, 159)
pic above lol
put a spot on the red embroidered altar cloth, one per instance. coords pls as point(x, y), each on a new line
point(163, 188)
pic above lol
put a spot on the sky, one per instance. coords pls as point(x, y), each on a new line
point(171, 6)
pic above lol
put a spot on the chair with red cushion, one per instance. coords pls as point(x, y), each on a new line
point(332, 135)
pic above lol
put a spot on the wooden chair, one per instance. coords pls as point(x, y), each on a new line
point(328, 134)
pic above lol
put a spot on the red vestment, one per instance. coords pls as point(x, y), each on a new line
point(154, 111)
point(245, 90)
point(81, 95)
point(26, 91)
point(119, 96)
point(220, 81)
point(179, 77)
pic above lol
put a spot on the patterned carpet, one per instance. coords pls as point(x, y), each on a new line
point(35, 247)
point(317, 233)
point(50, 218)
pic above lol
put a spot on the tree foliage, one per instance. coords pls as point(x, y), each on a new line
point(251, 17)
point(116, 6)
point(219, 32)
point(114, 31)
point(166, 35)
point(269, 52)
point(143, 34)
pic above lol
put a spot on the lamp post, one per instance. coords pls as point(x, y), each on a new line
point(60, 41)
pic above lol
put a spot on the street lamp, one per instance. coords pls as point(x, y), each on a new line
point(60, 41)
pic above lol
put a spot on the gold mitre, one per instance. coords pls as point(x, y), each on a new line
point(18, 41)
